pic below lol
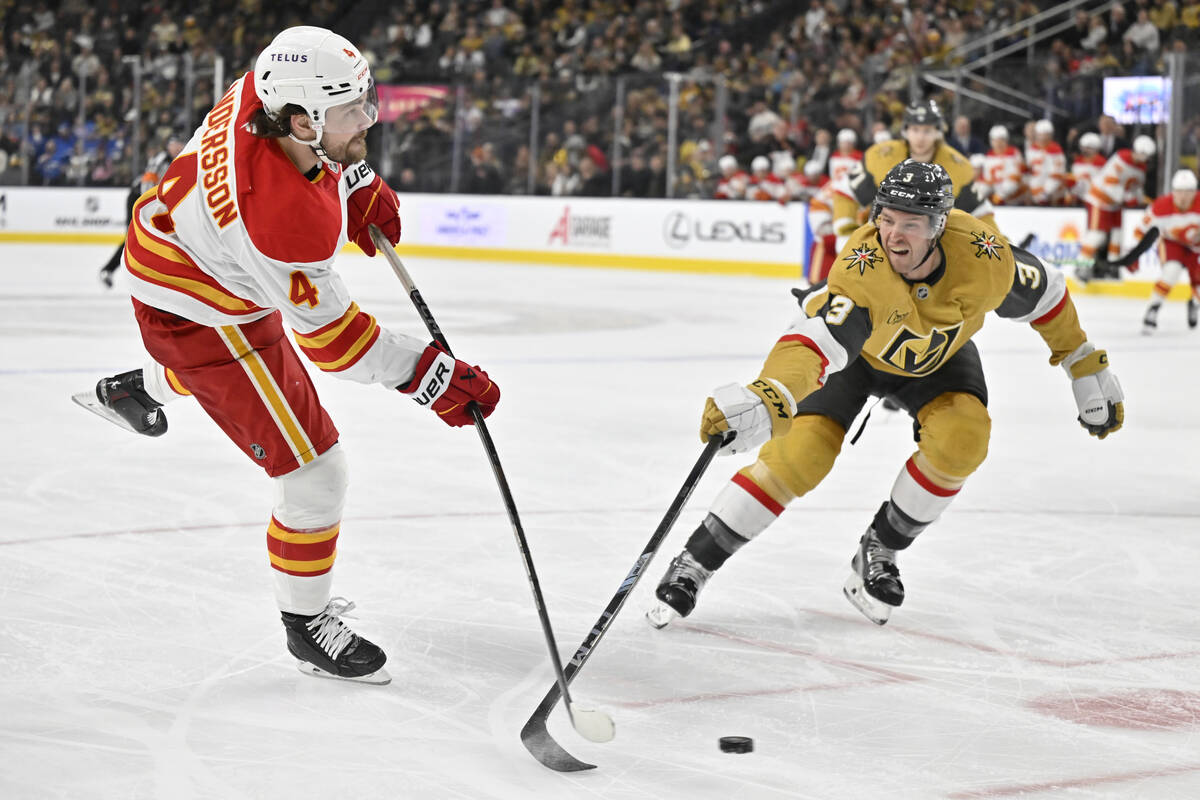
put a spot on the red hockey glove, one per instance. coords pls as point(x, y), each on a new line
point(371, 202)
point(448, 385)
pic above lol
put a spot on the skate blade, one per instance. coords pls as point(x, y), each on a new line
point(661, 615)
point(89, 401)
point(874, 610)
point(379, 677)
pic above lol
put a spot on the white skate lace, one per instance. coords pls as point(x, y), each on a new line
point(329, 631)
point(687, 567)
point(880, 560)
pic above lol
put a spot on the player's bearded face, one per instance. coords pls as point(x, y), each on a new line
point(906, 239)
point(346, 148)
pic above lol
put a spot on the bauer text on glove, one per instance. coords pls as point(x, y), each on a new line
point(371, 202)
point(448, 385)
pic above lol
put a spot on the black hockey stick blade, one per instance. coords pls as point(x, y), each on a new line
point(534, 736)
point(1136, 252)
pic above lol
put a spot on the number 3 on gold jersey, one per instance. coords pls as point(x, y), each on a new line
point(839, 308)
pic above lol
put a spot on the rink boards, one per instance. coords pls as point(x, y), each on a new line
point(668, 235)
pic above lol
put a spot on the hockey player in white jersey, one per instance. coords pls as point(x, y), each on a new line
point(237, 244)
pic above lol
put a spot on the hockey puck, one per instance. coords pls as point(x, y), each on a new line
point(736, 744)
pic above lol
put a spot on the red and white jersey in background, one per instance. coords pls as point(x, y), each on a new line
point(1084, 170)
point(841, 163)
point(733, 187)
point(234, 232)
point(1004, 174)
point(767, 187)
point(1181, 226)
point(803, 188)
point(1047, 170)
point(1118, 183)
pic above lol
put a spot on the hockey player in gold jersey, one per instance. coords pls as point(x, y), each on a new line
point(895, 320)
point(922, 140)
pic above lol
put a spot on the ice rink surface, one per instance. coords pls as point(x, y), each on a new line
point(1049, 645)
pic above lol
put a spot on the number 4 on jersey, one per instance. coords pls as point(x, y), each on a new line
point(302, 290)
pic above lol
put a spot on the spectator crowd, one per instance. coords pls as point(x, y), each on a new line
point(571, 97)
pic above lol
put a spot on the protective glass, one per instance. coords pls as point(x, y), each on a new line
point(355, 116)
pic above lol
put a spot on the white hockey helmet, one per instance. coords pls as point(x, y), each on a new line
point(1044, 126)
point(322, 73)
point(1089, 141)
point(847, 136)
point(1144, 146)
point(760, 164)
point(1183, 181)
point(882, 135)
point(813, 168)
point(727, 163)
point(978, 161)
point(998, 132)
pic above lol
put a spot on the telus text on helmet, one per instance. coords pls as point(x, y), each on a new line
point(299, 58)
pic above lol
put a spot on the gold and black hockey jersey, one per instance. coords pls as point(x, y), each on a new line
point(857, 189)
point(911, 328)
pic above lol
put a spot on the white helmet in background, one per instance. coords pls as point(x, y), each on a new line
point(978, 161)
point(1044, 127)
point(727, 163)
point(998, 132)
point(847, 136)
point(1144, 146)
point(783, 165)
point(322, 73)
point(882, 135)
point(1183, 181)
point(760, 164)
point(1089, 141)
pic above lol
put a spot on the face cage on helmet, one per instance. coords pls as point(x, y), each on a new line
point(353, 116)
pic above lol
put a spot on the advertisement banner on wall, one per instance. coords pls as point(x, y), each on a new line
point(41, 210)
point(461, 221)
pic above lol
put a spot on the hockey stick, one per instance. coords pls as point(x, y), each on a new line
point(593, 725)
point(1136, 252)
point(534, 736)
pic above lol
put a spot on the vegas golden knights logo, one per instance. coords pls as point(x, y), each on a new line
point(920, 355)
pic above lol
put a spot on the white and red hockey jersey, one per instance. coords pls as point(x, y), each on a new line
point(733, 187)
point(1118, 183)
point(1181, 226)
point(1004, 175)
point(234, 232)
point(767, 187)
point(1084, 170)
point(1047, 170)
point(841, 163)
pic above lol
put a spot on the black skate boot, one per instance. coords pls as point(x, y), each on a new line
point(874, 586)
point(1193, 312)
point(677, 590)
point(1150, 321)
point(327, 648)
point(122, 400)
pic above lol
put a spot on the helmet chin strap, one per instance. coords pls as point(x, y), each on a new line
point(315, 144)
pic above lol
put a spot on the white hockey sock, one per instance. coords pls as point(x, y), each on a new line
point(916, 503)
point(159, 386)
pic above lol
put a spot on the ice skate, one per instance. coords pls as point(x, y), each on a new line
point(1193, 312)
point(874, 586)
point(677, 590)
point(122, 400)
point(326, 647)
point(1150, 321)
